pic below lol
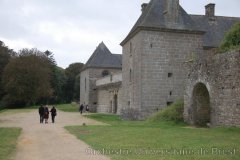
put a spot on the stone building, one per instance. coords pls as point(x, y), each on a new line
point(102, 63)
point(155, 51)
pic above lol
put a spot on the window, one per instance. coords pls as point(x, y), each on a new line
point(105, 73)
point(130, 75)
point(169, 103)
point(170, 75)
point(151, 45)
point(85, 84)
point(130, 47)
point(111, 77)
point(170, 93)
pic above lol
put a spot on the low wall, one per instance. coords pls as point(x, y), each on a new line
point(221, 76)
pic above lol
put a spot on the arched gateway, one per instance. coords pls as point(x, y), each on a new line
point(200, 105)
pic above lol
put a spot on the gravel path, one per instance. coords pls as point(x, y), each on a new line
point(49, 141)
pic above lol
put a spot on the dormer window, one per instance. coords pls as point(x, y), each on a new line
point(105, 73)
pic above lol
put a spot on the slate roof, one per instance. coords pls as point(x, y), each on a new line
point(215, 28)
point(103, 58)
point(153, 18)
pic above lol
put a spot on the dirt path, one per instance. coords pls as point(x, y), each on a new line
point(49, 141)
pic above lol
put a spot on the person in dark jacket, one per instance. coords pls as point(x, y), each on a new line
point(41, 113)
point(46, 114)
point(81, 108)
point(53, 114)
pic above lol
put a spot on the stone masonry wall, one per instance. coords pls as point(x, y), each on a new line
point(106, 98)
point(89, 96)
point(221, 75)
point(157, 68)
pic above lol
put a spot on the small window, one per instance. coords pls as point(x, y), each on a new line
point(129, 103)
point(85, 84)
point(105, 73)
point(170, 75)
point(151, 45)
point(130, 75)
point(95, 103)
point(169, 103)
point(130, 47)
point(111, 77)
point(170, 93)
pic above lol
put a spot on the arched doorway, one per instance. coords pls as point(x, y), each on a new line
point(115, 104)
point(201, 105)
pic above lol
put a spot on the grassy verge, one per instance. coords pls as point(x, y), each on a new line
point(153, 141)
point(68, 107)
point(8, 142)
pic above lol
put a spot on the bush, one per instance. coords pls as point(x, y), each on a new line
point(231, 40)
point(173, 113)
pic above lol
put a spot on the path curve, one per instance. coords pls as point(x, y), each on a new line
point(49, 141)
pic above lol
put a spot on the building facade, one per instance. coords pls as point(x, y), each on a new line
point(153, 71)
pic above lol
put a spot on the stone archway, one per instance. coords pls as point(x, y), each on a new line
point(201, 105)
point(115, 103)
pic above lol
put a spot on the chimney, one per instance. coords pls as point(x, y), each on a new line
point(172, 10)
point(144, 6)
point(210, 10)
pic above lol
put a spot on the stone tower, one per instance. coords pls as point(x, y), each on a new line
point(102, 63)
point(163, 38)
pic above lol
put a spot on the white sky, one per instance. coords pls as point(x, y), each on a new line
point(72, 29)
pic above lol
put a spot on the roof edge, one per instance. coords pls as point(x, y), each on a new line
point(139, 28)
point(91, 67)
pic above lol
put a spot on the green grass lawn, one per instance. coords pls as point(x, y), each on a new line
point(8, 138)
point(68, 107)
point(124, 140)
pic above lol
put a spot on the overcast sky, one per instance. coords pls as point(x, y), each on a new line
point(72, 29)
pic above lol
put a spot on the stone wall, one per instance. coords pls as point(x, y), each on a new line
point(106, 98)
point(220, 75)
point(89, 92)
point(156, 63)
point(115, 78)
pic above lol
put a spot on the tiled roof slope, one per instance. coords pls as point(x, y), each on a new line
point(153, 17)
point(215, 28)
point(103, 58)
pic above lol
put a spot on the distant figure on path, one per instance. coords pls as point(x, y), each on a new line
point(81, 108)
point(53, 113)
point(41, 113)
point(87, 108)
point(46, 114)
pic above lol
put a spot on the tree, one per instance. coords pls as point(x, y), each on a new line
point(231, 39)
point(5, 55)
point(26, 78)
point(72, 90)
point(58, 80)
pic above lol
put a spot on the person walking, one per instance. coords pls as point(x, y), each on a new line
point(46, 114)
point(53, 114)
point(81, 108)
point(87, 108)
point(41, 113)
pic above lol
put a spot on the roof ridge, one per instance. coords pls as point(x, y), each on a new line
point(214, 16)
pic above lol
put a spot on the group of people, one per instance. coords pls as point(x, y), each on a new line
point(44, 113)
point(81, 108)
